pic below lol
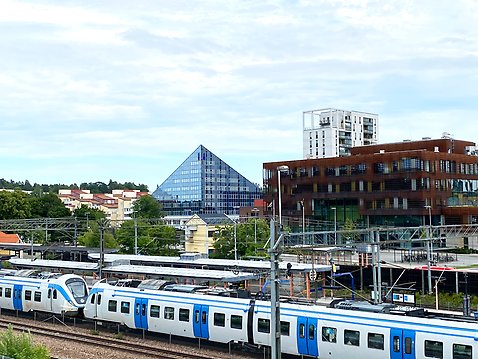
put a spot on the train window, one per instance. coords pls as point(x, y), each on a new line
point(49, 294)
point(396, 344)
point(125, 307)
point(461, 351)
point(196, 316)
point(37, 297)
point(375, 341)
point(169, 313)
point(92, 301)
point(1, 291)
point(99, 299)
point(203, 317)
point(329, 334)
point(285, 328)
point(55, 294)
point(154, 311)
point(408, 345)
point(143, 309)
point(28, 295)
point(433, 349)
point(302, 331)
point(236, 322)
point(311, 331)
point(351, 337)
point(183, 315)
point(263, 325)
point(8, 292)
point(112, 306)
point(138, 308)
point(219, 319)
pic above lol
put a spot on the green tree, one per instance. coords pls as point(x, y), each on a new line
point(147, 207)
point(15, 205)
point(91, 238)
point(251, 237)
point(21, 346)
point(48, 206)
point(153, 239)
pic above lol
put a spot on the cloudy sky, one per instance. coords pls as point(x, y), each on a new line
point(126, 90)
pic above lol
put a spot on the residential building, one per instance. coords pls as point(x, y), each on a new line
point(9, 238)
point(118, 205)
point(205, 184)
point(395, 184)
point(332, 133)
point(200, 230)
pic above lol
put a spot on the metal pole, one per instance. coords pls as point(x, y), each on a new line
point(275, 297)
point(280, 200)
point(429, 250)
point(303, 222)
point(374, 270)
point(255, 235)
point(135, 236)
point(379, 267)
point(235, 242)
point(102, 251)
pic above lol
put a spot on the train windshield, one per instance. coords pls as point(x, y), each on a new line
point(77, 288)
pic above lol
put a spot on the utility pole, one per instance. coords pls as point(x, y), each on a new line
point(275, 292)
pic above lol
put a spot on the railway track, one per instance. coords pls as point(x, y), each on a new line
point(105, 342)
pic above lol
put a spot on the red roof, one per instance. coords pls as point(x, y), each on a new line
point(9, 238)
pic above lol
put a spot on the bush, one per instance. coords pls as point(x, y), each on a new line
point(21, 346)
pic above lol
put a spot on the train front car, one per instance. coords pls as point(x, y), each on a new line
point(44, 292)
point(68, 294)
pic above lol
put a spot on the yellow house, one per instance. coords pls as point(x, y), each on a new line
point(200, 229)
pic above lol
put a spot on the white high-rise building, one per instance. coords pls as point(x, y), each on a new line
point(332, 133)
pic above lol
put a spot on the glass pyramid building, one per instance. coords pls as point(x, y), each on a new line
point(204, 183)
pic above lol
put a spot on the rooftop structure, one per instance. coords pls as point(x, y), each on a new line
point(332, 133)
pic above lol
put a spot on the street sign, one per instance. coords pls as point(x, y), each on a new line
point(313, 274)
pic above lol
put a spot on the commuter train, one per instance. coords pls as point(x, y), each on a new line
point(338, 330)
point(45, 292)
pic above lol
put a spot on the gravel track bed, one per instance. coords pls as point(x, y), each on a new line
point(64, 349)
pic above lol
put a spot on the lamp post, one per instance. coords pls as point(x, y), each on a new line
point(235, 235)
point(335, 224)
point(279, 170)
point(429, 250)
point(303, 221)
point(255, 211)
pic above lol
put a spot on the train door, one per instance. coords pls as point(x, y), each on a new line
point(17, 297)
point(141, 313)
point(307, 343)
point(49, 304)
point(200, 322)
point(402, 344)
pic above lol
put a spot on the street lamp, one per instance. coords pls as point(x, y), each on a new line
point(235, 235)
point(429, 249)
point(303, 221)
point(255, 211)
point(335, 224)
point(280, 169)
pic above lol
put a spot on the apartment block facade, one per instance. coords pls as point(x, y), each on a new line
point(396, 184)
point(333, 133)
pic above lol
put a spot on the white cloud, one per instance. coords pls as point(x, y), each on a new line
point(151, 80)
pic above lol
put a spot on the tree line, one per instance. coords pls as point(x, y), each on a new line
point(94, 187)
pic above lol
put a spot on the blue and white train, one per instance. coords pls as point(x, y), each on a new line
point(336, 331)
point(52, 293)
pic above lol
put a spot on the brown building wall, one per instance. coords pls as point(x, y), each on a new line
point(390, 180)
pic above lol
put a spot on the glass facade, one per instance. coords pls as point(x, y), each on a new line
point(203, 183)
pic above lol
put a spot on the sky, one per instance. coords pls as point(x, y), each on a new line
point(127, 90)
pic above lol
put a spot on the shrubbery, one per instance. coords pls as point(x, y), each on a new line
point(21, 346)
